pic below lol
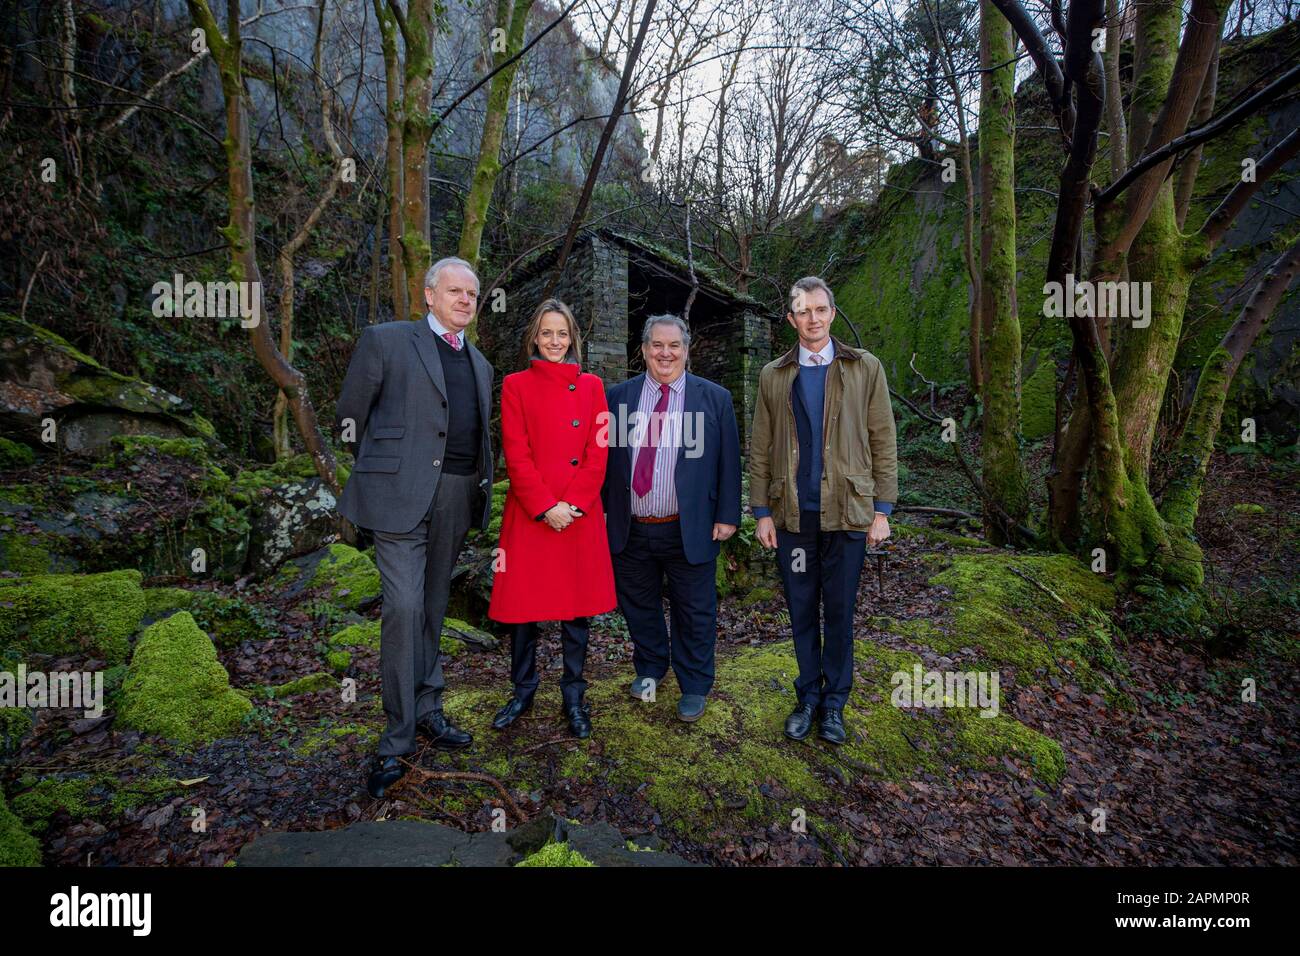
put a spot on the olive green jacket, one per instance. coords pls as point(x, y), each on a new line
point(860, 461)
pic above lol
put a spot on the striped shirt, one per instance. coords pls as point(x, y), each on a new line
point(661, 500)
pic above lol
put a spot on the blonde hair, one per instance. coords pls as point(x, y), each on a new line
point(528, 348)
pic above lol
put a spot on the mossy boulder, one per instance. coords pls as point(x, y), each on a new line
point(72, 613)
point(46, 376)
point(17, 846)
point(176, 687)
point(348, 577)
point(1038, 613)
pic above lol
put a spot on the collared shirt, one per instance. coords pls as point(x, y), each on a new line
point(441, 330)
point(661, 500)
point(827, 353)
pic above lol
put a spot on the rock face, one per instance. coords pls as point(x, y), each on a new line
point(346, 576)
point(414, 843)
point(177, 688)
point(43, 376)
point(291, 519)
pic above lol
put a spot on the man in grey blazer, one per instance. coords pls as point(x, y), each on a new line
point(414, 410)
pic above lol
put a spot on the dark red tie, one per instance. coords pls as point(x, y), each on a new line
point(643, 472)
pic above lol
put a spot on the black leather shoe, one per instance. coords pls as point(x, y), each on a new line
point(384, 772)
point(444, 734)
point(515, 708)
point(579, 715)
point(800, 721)
point(832, 726)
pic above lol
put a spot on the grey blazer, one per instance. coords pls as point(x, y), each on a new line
point(396, 394)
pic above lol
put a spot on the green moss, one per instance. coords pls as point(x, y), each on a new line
point(1001, 607)
point(322, 737)
point(556, 854)
point(129, 447)
point(99, 796)
point(1246, 508)
point(72, 613)
point(177, 688)
point(302, 685)
point(14, 455)
point(349, 577)
point(160, 601)
point(24, 554)
point(735, 764)
point(231, 621)
point(338, 661)
point(17, 846)
point(14, 724)
point(1038, 400)
point(903, 530)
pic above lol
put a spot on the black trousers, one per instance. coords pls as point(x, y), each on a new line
point(654, 554)
point(523, 659)
point(820, 571)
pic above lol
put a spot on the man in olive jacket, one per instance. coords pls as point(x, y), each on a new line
point(823, 476)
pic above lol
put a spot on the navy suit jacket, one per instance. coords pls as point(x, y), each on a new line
point(708, 486)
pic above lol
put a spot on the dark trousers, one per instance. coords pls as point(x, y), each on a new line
point(652, 556)
point(523, 659)
point(415, 571)
point(821, 579)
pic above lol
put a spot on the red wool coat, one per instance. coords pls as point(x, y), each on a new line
point(548, 432)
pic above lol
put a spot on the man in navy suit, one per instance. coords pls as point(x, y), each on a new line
point(671, 496)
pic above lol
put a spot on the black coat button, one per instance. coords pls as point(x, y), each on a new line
point(575, 423)
point(572, 387)
point(444, 404)
point(442, 434)
point(573, 461)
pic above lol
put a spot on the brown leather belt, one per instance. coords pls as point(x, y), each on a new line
point(654, 520)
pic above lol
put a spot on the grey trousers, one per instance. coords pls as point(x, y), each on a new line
point(415, 571)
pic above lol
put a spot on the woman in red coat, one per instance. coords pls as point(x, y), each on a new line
point(554, 562)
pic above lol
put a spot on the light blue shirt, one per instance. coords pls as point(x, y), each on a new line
point(441, 331)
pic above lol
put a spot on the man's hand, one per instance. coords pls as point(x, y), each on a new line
point(879, 530)
point(559, 516)
point(767, 532)
point(721, 532)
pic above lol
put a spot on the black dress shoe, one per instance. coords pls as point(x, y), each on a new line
point(515, 708)
point(444, 734)
point(579, 715)
point(384, 772)
point(800, 721)
point(832, 726)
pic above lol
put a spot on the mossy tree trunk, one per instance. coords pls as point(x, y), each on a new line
point(511, 21)
point(1005, 484)
point(1181, 500)
point(417, 126)
point(388, 32)
point(240, 230)
point(279, 420)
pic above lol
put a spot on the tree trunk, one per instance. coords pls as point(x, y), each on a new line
point(393, 160)
point(1005, 483)
point(512, 17)
point(417, 126)
point(240, 230)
